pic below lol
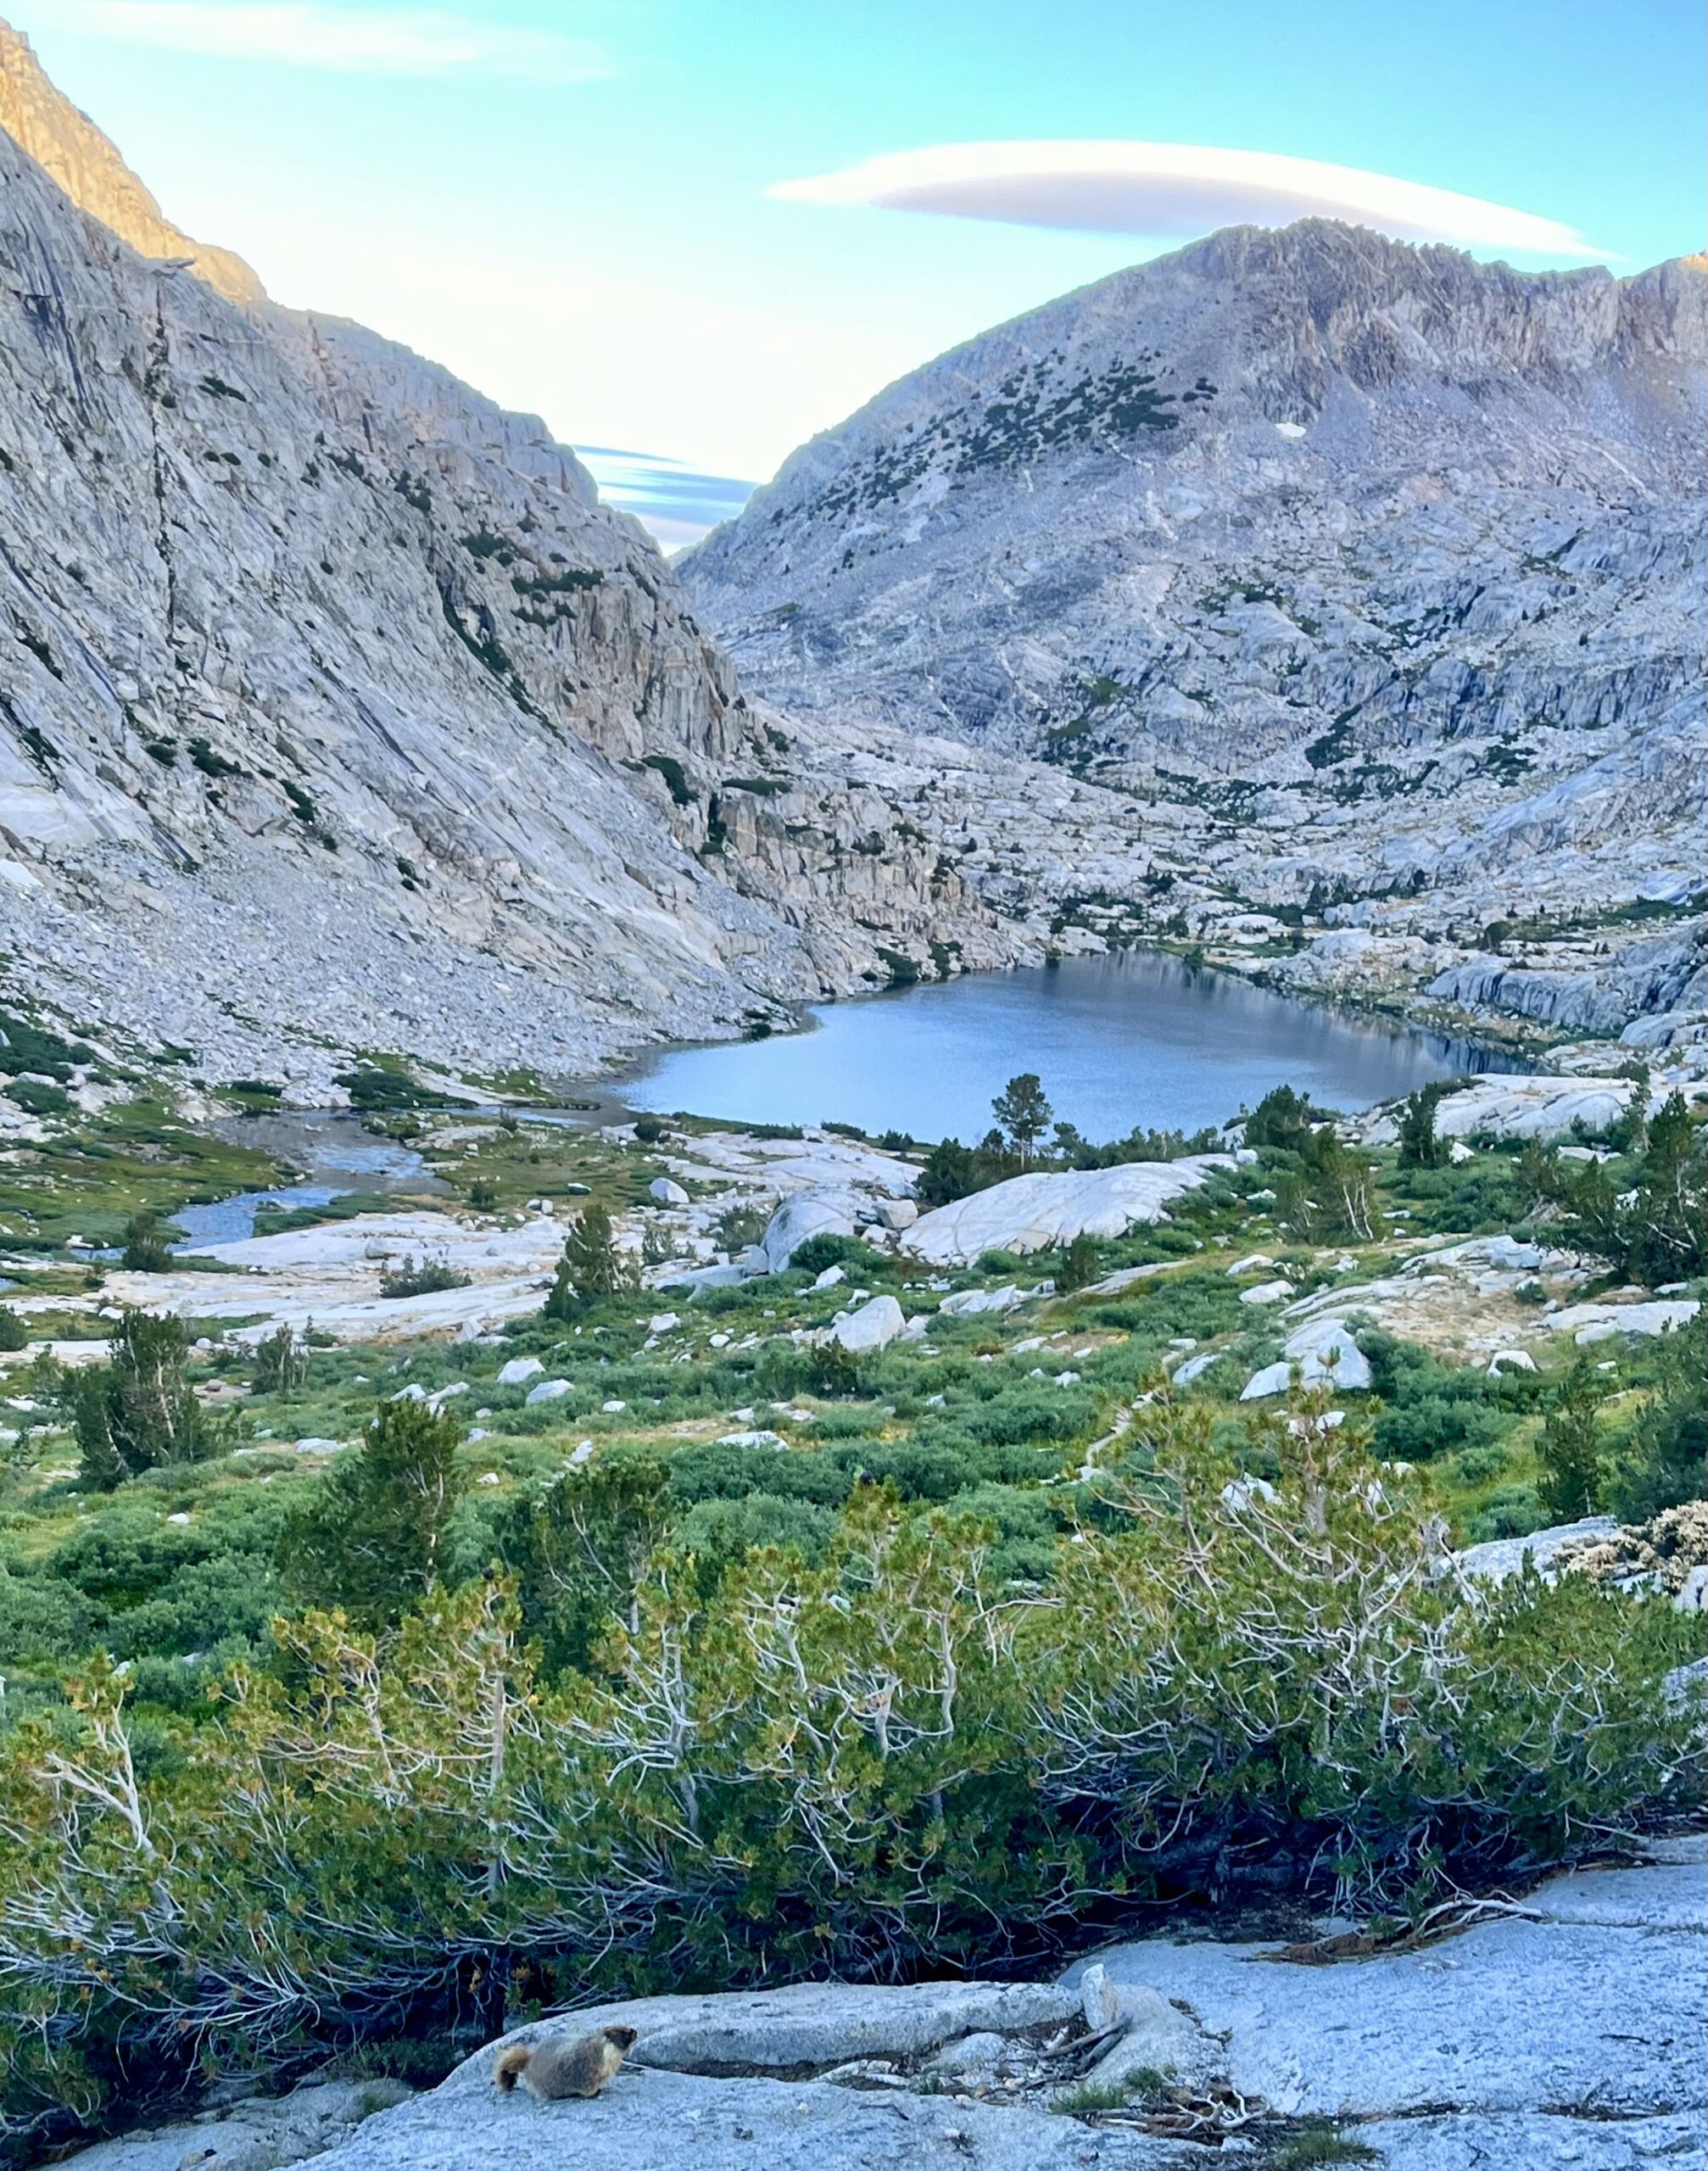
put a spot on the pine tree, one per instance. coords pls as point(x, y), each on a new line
point(372, 1539)
point(948, 1174)
point(1419, 1146)
point(281, 1363)
point(1570, 1448)
point(577, 1550)
point(137, 1412)
point(591, 1266)
point(1024, 1112)
point(1080, 1262)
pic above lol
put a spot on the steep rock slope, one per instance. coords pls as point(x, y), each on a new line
point(335, 709)
point(1370, 569)
point(68, 146)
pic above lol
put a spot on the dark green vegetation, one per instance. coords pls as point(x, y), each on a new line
point(744, 1658)
point(1034, 411)
point(1016, 1143)
point(590, 1268)
point(137, 1412)
point(422, 1277)
point(1646, 1211)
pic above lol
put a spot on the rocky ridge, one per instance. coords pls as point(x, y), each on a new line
point(337, 712)
point(1370, 577)
point(66, 144)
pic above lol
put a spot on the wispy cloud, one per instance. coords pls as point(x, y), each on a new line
point(678, 503)
point(1173, 191)
point(358, 39)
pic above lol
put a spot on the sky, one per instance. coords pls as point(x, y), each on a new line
point(690, 233)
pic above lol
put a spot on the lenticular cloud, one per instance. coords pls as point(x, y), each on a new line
point(1173, 190)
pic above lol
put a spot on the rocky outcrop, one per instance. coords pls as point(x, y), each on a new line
point(1374, 572)
point(872, 1325)
point(1665, 973)
point(1514, 1104)
point(1668, 1555)
point(339, 714)
point(1564, 2027)
point(1031, 1213)
point(807, 1215)
point(1588, 1324)
point(258, 2134)
point(1544, 1550)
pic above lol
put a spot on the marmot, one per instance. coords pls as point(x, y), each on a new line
point(579, 2067)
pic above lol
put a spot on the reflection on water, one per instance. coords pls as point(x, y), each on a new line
point(1129, 1039)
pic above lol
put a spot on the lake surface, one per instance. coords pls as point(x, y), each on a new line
point(1129, 1039)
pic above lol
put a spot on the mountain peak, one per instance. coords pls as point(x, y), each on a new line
point(1382, 562)
point(67, 145)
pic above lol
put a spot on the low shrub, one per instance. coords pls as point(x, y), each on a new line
point(423, 1278)
point(850, 1754)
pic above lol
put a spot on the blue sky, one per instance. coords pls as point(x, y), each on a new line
point(572, 202)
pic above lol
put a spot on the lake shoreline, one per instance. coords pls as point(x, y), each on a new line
point(1311, 1025)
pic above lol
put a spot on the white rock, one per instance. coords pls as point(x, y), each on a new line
point(757, 1438)
point(612, 1408)
point(1588, 1324)
point(897, 1213)
point(1195, 1368)
point(548, 1391)
point(663, 1322)
point(1267, 1293)
point(1514, 2018)
point(1272, 1379)
point(1510, 1360)
point(1497, 1558)
point(706, 1277)
point(807, 1213)
point(873, 1325)
point(1033, 1213)
point(255, 2133)
point(1325, 1348)
point(974, 2057)
point(973, 1303)
point(1254, 1265)
point(1098, 2000)
point(1158, 2039)
point(666, 1192)
point(1515, 1105)
point(1124, 1278)
point(1693, 1592)
point(832, 1278)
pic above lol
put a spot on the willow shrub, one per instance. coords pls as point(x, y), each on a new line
point(889, 1762)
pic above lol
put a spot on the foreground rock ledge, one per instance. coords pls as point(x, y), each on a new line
point(1568, 2032)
